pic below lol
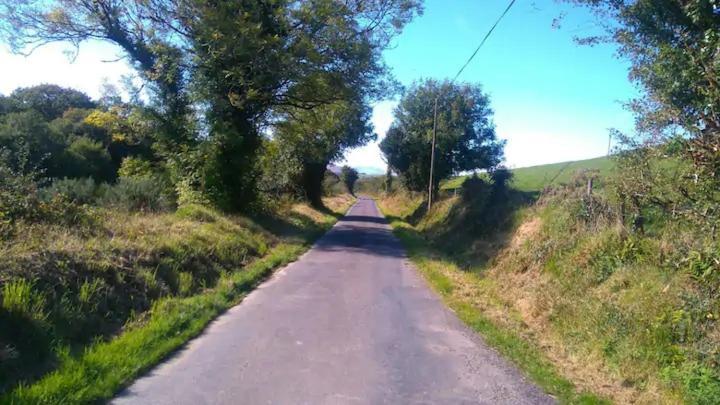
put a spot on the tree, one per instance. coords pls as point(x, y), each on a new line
point(50, 100)
point(388, 180)
point(130, 25)
point(299, 63)
point(27, 134)
point(349, 177)
point(249, 64)
point(674, 50)
point(317, 137)
point(466, 139)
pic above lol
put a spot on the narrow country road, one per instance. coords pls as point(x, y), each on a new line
point(349, 322)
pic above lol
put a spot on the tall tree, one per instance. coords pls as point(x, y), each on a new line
point(320, 136)
point(48, 99)
point(303, 65)
point(349, 176)
point(29, 24)
point(466, 139)
point(250, 62)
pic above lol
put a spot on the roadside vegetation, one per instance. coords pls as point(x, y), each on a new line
point(95, 311)
point(129, 221)
point(602, 274)
point(579, 299)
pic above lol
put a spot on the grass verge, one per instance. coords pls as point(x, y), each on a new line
point(104, 367)
point(522, 352)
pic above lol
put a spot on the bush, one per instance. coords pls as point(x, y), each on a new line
point(501, 177)
point(85, 157)
point(135, 167)
point(196, 213)
point(78, 191)
point(138, 194)
point(18, 191)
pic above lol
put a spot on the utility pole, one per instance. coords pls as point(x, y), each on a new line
point(609, 142)
point(432, 155)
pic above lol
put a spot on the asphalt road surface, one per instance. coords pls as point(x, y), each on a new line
point(351, 322)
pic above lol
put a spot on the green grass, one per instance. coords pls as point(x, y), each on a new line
point(130, 300)
point(522, 352)
point(631, 316)
point(536, 178)
point(104, 368)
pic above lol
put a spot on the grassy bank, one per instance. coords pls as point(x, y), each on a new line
point(573, 297)
point(85, 311)
point(458, 288)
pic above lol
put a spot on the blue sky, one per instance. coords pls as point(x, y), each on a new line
point(553, 100)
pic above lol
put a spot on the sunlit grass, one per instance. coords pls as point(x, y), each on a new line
point(187, 266)
point(459, 289)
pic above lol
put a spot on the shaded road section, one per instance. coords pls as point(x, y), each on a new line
point(351, 322)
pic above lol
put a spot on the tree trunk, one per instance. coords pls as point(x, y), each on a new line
point(311, 181)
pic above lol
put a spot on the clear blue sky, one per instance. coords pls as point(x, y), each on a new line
point(553, 100)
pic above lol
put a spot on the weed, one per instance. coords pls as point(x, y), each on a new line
point(20, 299)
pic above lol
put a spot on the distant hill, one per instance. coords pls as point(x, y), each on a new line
point(370, 170)
point(536, 178)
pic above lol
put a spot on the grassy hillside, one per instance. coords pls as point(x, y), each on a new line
point(537, 178)
point(87, 308)
point(577, 298)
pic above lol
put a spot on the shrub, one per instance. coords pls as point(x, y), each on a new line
point(60, 210)
point(501, 177)
point(135, 167)
point(85, 157)
point(18, 190)
point(79, 191)
point(138, 194)
point(474, 189)
point(196, 213)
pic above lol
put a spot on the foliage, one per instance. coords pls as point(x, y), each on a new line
point(138, 194)
point(50, 100)
point(18, 190)
point(102, 292)
point(294, 57)
point(136, 167)
point(87, 158)
point(349, 176)
point(280, 169)
point(79, 191)
point(466, 138)
point(388, 180)
point(501, 177)
point(674, 51)
point(77, 142)
point(320, 136)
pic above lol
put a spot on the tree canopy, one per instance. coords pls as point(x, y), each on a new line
point(466, 139)
point(349, 177)
point(50, 100)
point(242, 67)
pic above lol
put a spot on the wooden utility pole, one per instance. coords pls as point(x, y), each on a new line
point(432, 155)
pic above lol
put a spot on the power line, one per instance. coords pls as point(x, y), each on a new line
point(512, 2)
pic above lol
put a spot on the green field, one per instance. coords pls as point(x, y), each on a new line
point(536, 178)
